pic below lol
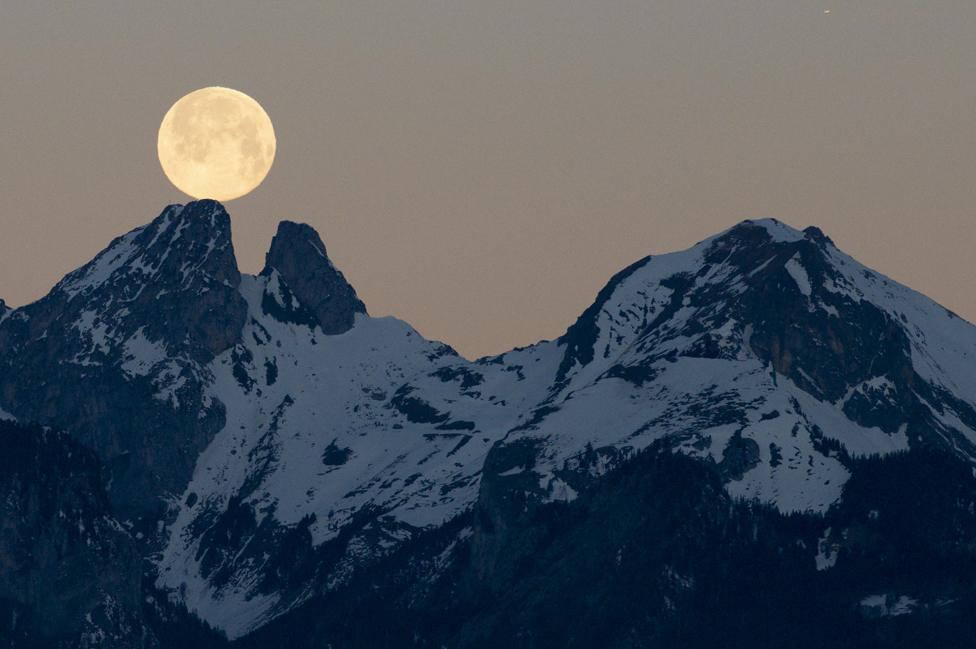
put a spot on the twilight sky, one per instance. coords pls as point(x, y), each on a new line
point(480, 168)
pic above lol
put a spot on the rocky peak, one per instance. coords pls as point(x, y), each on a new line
point(683, 295)
point(191, 241)
point(298, 258)
point(174, 279)
point(764, 290)
point(117, 352)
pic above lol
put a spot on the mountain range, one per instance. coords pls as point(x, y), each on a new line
point(754, 442)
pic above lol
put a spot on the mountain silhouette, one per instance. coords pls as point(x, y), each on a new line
point(255, 457)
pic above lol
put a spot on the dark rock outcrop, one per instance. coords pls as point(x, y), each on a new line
point(299, 257)
point(70, 575)
point(65, 564)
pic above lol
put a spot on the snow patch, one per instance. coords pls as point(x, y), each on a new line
point(799, 274)
point(827, 552)
point(140, 355)
point(887, 605)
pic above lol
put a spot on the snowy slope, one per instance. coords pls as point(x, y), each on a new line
point(314, 438)
point(670, 349)
point(310, 433)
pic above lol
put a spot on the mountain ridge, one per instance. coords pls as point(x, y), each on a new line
point(266, 440)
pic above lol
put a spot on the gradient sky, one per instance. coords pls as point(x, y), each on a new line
point(480, 168)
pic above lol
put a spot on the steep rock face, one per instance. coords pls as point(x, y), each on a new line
point(71, 576)
point(299, 259)
point(116, 352)
point(65, 565)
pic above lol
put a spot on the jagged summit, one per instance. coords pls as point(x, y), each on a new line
point(187, 250)
point(183, 245)
point(771, 230)
point(298, 258)
point(751, 253)
point(142, 323)
point(776, 229)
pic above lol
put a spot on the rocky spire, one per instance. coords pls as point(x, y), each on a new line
point(299, 258)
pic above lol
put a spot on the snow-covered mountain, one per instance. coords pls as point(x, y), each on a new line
point(266, 438)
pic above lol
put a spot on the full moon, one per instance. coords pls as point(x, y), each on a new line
point(216, 143)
